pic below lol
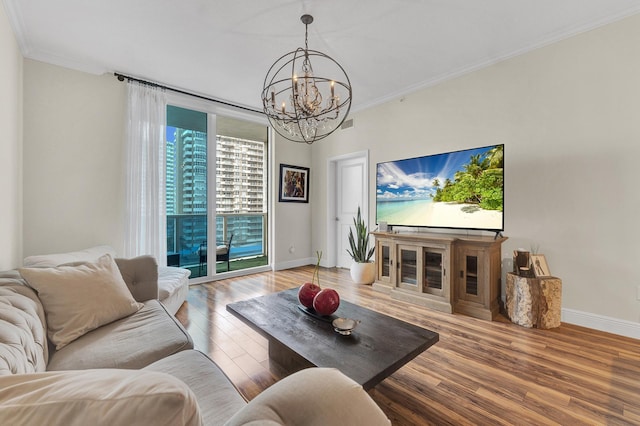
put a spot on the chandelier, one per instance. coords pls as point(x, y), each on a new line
point(303, 106)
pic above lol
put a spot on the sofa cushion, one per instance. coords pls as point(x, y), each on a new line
point(23, 338)
point(131, 342)
point(49, 260)
point(312, 397)
point(80, 298)
point(141, 276)
point(217, 398)
point(97, 397)
point(173, 287)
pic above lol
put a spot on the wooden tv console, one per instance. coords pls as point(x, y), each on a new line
point(446, 272)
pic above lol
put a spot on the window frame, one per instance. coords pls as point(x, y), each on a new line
point(214, 110)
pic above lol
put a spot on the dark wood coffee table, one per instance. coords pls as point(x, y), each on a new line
point(378, 346)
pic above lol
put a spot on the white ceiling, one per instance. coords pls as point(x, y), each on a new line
point(223, 48)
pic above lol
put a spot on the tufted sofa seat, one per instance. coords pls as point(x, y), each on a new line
point(24, 346)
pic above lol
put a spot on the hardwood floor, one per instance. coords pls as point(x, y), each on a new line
point(479, 373)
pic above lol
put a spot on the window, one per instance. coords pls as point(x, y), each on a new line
point(199, 176)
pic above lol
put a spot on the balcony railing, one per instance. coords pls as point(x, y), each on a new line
point(186, 233)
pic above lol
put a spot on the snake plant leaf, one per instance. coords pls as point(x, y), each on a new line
point(359, 242)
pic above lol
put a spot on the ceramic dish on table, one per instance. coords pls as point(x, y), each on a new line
point(344, 326)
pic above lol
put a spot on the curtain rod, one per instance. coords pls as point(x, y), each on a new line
point(122, 77)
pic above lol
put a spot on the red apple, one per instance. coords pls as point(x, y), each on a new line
point(326, 302)
point(307, 293)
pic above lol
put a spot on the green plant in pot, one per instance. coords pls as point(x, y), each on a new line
point(362, 269)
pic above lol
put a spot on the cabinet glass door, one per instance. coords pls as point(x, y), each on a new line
point(408, 267)
point(471, 287)
point(384, 261)
point(471, 282)
point(433, 274)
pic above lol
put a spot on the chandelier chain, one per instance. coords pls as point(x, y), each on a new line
point(306, 37)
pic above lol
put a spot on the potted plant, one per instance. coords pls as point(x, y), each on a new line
point(362, 270)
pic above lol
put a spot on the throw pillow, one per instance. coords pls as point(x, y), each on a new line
point(56, 259)
point(80, 298)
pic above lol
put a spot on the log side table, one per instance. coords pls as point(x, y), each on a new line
point(534, 302)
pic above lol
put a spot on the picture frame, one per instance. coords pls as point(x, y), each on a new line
point(540, 266)
point(294, 184)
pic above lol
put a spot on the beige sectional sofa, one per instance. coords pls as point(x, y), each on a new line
point(173, 283)
point(89, 343)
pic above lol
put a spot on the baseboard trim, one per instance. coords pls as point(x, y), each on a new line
point(294, 264)
point(602, 323)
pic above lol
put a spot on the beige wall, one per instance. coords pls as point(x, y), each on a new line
point(292, 221)
point(569, 116)
point(10, 147)
point(73, 139)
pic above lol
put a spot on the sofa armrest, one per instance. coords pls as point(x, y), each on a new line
point(312, 397)
point(97, 397)
point(141, 276)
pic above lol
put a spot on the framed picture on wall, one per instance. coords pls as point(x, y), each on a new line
point(539, 266)
point(294, 184)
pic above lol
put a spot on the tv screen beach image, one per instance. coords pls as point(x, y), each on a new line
point(462, 189)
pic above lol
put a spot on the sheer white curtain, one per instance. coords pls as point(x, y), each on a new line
point(145, 224)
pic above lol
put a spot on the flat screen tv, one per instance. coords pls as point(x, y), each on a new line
point(458, 190)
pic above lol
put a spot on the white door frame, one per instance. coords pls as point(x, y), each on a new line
point(332, 255)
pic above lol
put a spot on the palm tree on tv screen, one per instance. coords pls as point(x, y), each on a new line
point(479, 182)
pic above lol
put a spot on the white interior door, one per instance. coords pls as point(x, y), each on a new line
point(351, 193)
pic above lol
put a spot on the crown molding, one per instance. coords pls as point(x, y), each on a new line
point(17, 24)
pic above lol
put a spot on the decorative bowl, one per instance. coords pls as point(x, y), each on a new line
point(344, 326)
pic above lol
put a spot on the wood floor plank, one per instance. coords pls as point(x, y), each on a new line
point(479, 373)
